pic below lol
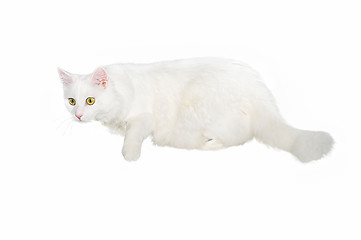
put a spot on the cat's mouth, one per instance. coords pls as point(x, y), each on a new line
point(82, 119)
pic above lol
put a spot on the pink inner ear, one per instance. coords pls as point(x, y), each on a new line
point(100, 77)
point(65, 77)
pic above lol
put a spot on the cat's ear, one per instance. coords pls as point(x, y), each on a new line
point(65, 77)
point(100, 77)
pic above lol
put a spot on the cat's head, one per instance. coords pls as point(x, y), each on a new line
point(87, 97)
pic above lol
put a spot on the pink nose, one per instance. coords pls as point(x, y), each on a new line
point(78, 116)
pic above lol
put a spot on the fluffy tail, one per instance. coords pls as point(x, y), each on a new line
point(310, 145)
point(270, 128)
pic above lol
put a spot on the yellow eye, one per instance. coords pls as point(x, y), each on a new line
point(72, 101)
point(90, 100)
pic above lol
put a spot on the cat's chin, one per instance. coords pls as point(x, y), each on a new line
point(85, 120)
point(82, 120)
point(79, 121)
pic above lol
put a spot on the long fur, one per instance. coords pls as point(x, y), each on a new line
point(206, 104)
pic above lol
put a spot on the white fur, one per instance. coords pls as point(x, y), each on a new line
point(203, 103)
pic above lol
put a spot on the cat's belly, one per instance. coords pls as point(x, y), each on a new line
point(201, 141)
point(192, 132)
point(188, 140)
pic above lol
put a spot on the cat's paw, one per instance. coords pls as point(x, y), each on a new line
point(131, 152)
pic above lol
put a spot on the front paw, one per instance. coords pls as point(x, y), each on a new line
point(131, 152)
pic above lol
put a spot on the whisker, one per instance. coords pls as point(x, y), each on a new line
point(69, 127)
point(64, 125)
point(62, 122)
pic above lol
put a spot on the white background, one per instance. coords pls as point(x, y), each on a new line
point(60, 179)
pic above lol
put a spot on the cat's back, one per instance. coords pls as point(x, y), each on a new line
point(185, 68)
point(197, 65)
point(208, 71)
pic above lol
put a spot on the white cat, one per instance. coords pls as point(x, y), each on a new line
point(205, 103)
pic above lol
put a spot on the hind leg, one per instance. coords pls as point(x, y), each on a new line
point(211, 144)
point(230, 130)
